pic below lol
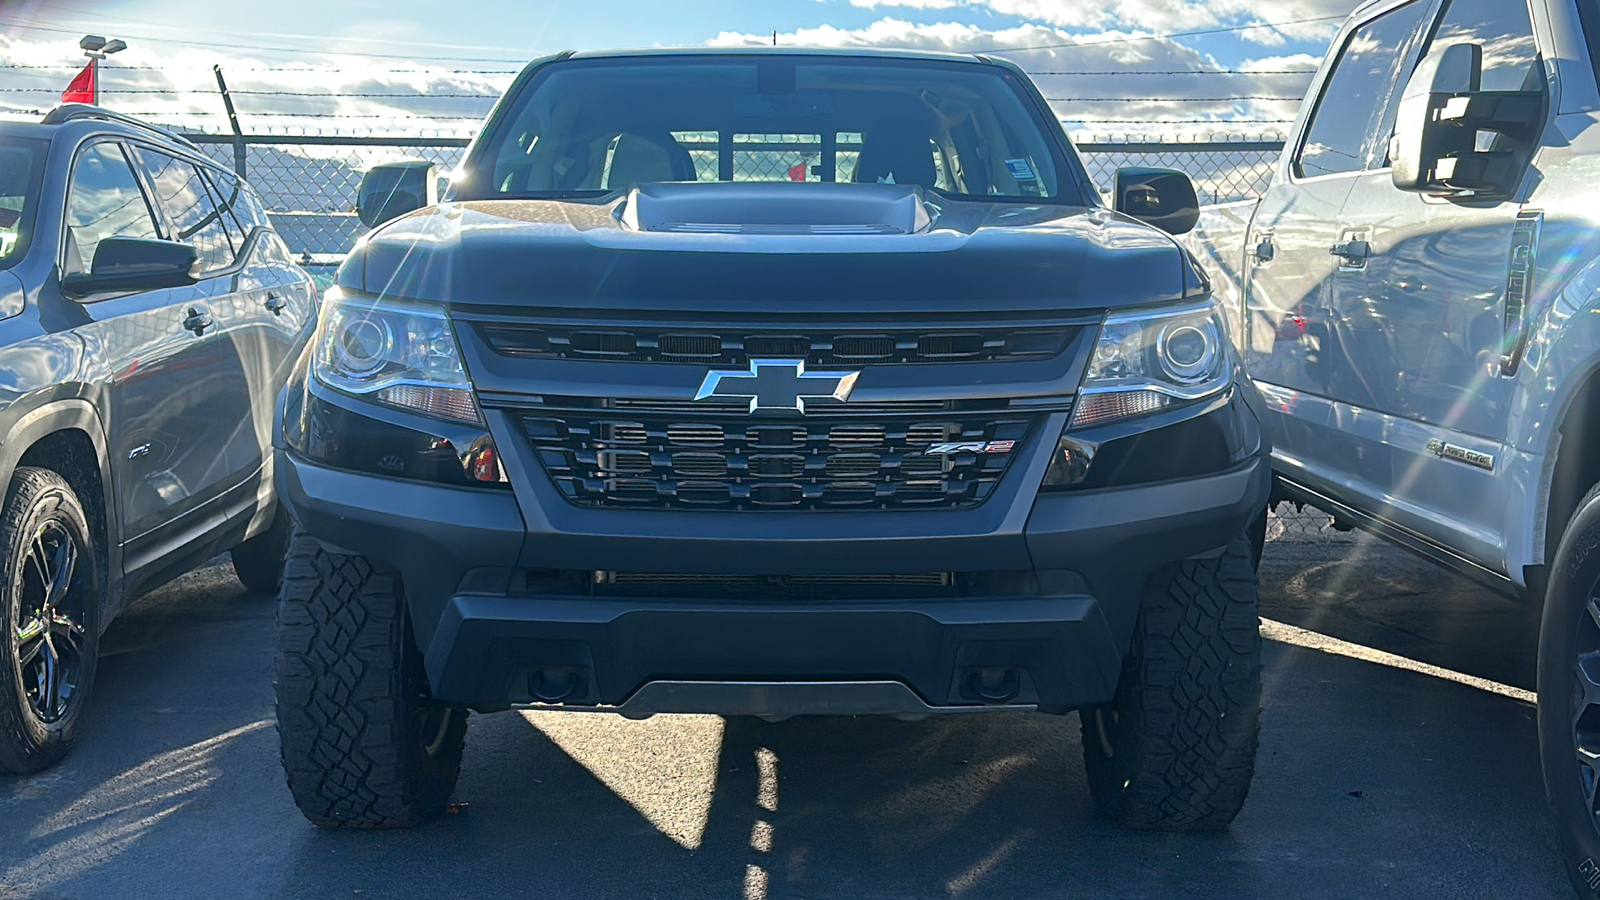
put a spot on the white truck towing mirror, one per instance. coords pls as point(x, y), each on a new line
point(1435, 148)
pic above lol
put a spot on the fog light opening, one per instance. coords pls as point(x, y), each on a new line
point(555, 684)
point(992, 685)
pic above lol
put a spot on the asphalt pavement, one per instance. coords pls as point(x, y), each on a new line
point(1381, 774)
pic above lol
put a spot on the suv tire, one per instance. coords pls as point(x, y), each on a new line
point(1175, 750)
point(363, 745)
point(49, 599)
point(259, 561)
point(1569, 694)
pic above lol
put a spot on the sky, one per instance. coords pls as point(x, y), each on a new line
point(1156, 67)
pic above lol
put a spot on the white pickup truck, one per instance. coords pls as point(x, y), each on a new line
point(1417, 296)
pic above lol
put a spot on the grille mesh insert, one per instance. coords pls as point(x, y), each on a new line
point(657, 461)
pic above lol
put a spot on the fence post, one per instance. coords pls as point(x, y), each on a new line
point(233, 120)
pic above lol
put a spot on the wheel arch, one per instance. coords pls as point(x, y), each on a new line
point(67, 437)
point(1574, 464)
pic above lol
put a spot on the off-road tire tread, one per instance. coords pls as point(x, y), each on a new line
point(1192, 686)
point(22, 751)
point(344, 661)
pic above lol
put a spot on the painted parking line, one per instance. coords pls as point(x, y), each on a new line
point(1284, 633)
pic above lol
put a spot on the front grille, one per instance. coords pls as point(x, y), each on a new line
point(817, 346)
point(608, 459)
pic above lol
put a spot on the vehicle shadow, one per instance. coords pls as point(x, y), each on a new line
point(1369, 592)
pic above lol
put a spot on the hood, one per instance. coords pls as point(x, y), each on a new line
point(739, 248)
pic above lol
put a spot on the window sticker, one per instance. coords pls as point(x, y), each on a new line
point(1021, 170)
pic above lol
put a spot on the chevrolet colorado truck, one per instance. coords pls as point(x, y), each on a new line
point(1417, 297)
point(770, 383)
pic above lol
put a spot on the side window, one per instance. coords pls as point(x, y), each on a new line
point(1341, 131)
point(183, 194)
point(228, 196)
point(250, 211)
point(105, 201)
point(1504, 30)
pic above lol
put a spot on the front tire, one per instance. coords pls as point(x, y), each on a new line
point(49, 599)
point(363, 745)
point(1175, 750)
point(1569, 695)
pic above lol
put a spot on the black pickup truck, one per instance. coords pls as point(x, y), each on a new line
point(776, 383)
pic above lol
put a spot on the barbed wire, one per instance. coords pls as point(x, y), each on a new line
point(1166, 99)
point(1171, 34)
point(1217, 122)
point(156, 114)
point(359, 95)
point(1180, 72)
point(1226, 29)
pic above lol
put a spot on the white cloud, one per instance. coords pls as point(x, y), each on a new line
point(908, 4)
point(1089, 79)
point(178, 87)
point(1163, 15)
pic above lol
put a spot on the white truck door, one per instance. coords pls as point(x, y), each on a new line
point(1419, 310)
point(1290, 342)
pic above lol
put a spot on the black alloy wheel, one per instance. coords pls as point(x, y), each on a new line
point(49, 589)
point(48, 637)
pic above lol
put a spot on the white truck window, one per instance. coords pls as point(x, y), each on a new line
point(1341, 130)
point(1504, 30)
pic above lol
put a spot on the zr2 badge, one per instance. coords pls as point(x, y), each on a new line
point(972, 447)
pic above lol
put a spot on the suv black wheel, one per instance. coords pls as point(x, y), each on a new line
point(49, 600)
point(259, 561)
point(1569, 694)
point(363, 744)
point(1176, 749)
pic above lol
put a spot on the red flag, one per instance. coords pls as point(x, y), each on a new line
point(798, 173)
point(81, 90)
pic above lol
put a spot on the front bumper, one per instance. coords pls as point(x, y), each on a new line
point(1052, 639)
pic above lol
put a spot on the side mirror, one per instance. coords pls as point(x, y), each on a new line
point(394, 189)
point(1437, 146)
point(1162, 197)
point(133, 264)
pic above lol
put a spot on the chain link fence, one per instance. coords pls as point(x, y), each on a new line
point(308, 181)
point(1225, 169)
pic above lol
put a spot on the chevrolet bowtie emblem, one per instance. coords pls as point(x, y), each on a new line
point(777, 385)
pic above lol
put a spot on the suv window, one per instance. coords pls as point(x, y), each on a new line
point(229, 198)
point(1341, 133)
point(1504, 30)
point(21, 174)
point(105, 202)
point(187, 200)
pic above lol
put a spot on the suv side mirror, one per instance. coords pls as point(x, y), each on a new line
point(1161, 197)
point(391, 190)
point(1442, 113)
point(124, 264)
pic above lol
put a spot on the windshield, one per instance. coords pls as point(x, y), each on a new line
point(21, 165)
point(591, 127)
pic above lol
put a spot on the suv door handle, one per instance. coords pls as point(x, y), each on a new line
point(198, 320)
point(1352, 252)
point(276, 304)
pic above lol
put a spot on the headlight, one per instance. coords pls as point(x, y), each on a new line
point(1146, 360)
point(394, 352)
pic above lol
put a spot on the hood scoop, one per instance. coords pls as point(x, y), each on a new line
point(764, 208)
